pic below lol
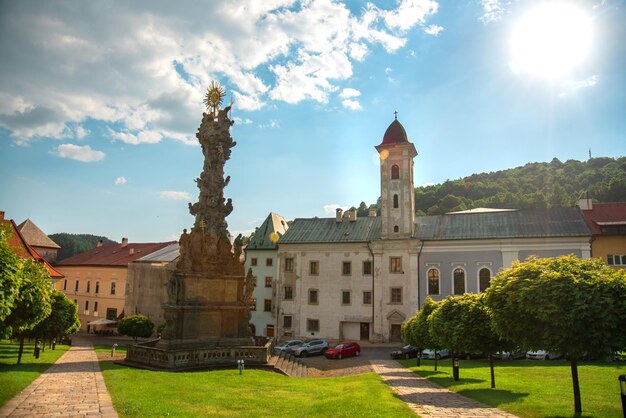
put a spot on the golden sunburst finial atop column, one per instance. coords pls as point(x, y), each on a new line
point(214, 97)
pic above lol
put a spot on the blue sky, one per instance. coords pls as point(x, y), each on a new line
point(100, 101)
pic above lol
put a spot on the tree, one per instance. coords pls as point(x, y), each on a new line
point(10, 265)
point(419, 334)
point(63, 318)
point(563, 304)
point(135, 326)
point(32, 304)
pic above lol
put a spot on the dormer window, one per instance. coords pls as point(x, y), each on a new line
point(395, 172)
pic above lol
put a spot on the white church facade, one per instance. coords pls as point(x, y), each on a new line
point(359, 278)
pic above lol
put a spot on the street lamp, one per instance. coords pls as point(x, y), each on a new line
point(455, 369)
point(113, 350)
point(240, 365)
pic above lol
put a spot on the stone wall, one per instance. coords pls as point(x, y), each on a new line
point(146, 289)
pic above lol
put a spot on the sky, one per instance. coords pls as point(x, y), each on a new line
point(100, 101)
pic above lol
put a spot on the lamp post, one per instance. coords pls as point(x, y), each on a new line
point(622, 387)
point(113, 350)
point(240, 366)
point(455, 368)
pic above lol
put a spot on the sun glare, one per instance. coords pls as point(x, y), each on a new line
point(551, 40)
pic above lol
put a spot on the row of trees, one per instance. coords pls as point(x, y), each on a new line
point(29, 307)
point(532, 186)
point(564, 304)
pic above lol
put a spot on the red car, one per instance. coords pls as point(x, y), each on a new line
point(345, 349)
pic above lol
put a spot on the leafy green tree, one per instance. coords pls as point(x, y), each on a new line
point(419, 334)
point(72, 244)
point(564, 305)
point(135, 326)
point(32, 304)
point(63, 319)
point(10, 265)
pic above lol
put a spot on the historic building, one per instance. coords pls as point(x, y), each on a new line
point(261, 258)
point(607, 222)
point(23, 249)
point(96, 280)
point(359, 278)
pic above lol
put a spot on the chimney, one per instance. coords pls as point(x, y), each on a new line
point(100, 243)
point(372, 213)
point(339, 217)
point(585, 204)
point(351, 214)
point(131, 251)
point(124, 242)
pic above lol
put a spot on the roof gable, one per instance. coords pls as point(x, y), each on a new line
point(35, 236)
point(261, 239)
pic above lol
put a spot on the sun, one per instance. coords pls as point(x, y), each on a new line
point(551, 40)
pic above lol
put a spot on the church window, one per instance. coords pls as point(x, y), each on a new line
point(395, 201)
point(267, 305)
point(312, 325)
point(395, 172)
point(459, 281)
point(433, 282)
point(396, 295)
point(313, 300)
point(395, 264)
point(346, 268)
point(484, 279)
point(289, 265)
point(253, 261)
point(268, 281)
point(367, 297)
point(396, 228)
point(367, 267)
point(345, 297)
point(314, 268)
point(287, 293)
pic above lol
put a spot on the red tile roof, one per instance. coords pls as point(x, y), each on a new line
point(113, 254)
point(605, 216)
point(22, 249)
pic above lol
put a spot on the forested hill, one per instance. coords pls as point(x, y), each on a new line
point(534, 185)
point(72, 244)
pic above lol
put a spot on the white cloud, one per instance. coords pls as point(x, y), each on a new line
point(331, 209)
point(143, 71)
point(581, 84)
point(492, 11)
point(120, 181)
point(79, 153)
point(348, 93)
point(272, 124)
point(433, 30)
point(351, 104)
point(173, 195)
point(244, 121)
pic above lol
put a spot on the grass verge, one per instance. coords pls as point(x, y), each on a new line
point(14, 378)
point(224, 393)
point(533, 388)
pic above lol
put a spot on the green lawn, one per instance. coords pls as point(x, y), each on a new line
point(142, 393)
point(533, 388)
point(14, 378)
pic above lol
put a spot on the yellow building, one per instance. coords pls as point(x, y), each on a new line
point(96, 280)
point(607, 222)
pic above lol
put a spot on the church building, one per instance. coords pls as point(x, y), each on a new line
point(359, 278)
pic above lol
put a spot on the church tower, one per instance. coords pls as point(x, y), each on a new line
point(396, 183)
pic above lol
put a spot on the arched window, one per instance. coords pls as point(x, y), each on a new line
point(459, 281)
point(433, 282)
point(395, 201)
point(395, 172)
point(396, 229)
point(484, 279)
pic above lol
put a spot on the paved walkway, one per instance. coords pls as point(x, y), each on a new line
point(428, 399)
point(72, 387)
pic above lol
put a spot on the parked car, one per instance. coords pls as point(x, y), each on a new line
point(509, 355)
point(542, 355)
point(430, 354)
point(312, 347)
point(288, 346)
point(406, 352)
point(345, 349)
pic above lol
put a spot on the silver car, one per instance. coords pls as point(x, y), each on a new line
point(288, 346)
point(312, 347)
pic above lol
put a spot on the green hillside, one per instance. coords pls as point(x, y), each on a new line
point(72, 244)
